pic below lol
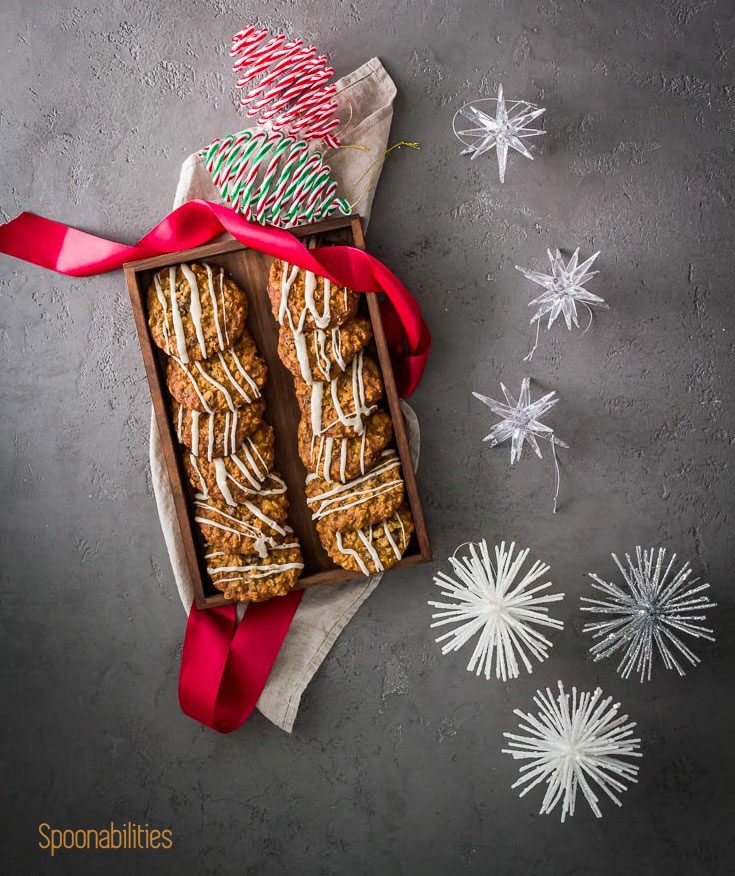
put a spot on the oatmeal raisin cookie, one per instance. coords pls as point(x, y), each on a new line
point(375, 548)
point(227, 381)
point(206, 314)
point(364, 500)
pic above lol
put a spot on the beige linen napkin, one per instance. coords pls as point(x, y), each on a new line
point(324, 611)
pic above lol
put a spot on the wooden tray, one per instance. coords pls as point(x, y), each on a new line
point(249, 269)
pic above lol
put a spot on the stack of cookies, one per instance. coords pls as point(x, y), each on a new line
point(215, 376)
point(354, 484)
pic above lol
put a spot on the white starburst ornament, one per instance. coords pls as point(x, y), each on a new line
point(574, 746)
point(650, 615)
point(521, 422)
point(505, 129)
point(563, 291)
point(489, 600)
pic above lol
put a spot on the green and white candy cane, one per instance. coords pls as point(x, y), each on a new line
point(273, 179)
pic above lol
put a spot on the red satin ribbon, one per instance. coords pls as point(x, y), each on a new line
point(225, 665)
point(70, 251)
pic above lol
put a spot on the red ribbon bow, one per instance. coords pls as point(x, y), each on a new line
point(224, 666)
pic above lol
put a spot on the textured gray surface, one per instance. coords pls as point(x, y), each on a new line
point(394, 766)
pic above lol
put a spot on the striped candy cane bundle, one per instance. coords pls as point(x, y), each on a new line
point(288, 82)
point(272, 178)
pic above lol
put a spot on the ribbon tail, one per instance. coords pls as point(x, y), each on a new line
point(203, 660)
point(408, 367)
point(224, 666)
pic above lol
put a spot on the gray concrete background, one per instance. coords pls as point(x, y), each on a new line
point(395, 763)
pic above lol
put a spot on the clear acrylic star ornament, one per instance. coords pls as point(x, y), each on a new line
point(521, 423)
point(502, 127)
point(563, 291)
point(570, 746)
point(651, 615)
point(496, 602)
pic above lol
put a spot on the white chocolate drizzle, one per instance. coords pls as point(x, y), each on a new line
point(276, 547)
point(253, 475)
point(254, 467)
point(241, 528)
point(352, 553)
point(354, 419)
point(195, 310)
point(248, 395)
point(318, 339)
point(193, 382)
point(216, 384)
point(210, 437)
point(176, 316)
point(195, 307)
point(317, 395)
point(213, 299)
point(357, 491)
point(321, 460)
point(194, 431)
point(248, 570)
point(220, 473)
point(321, 320)
point(367, 540)
point(366, 536)
point(202, 483)
point(229, 432)
point(224, 306)
point(250, 381)
point(250, 462)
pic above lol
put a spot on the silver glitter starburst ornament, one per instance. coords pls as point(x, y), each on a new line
point(563, 291)
point(521, 422)
point(504, 126)
point(650, 615)
point(490, 600)
point(582, 745)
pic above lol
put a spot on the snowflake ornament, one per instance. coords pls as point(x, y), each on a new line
point(489, 600)
point(505, 130)
point(521, 422)
point(574, 746)
point(650, 616)
point(563, 291)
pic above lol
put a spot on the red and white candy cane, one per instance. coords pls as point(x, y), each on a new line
point(292, 93)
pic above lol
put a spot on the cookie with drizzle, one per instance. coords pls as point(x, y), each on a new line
point(340, 407)
point(240, 475)
point(359, 502)
point(374, 548)
point(194, 311)
point(251, 527)
point(301, 300)
point(225, 382)
point(343, 459)
point(321, 354)
point(254, 578)
point(218, 434)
